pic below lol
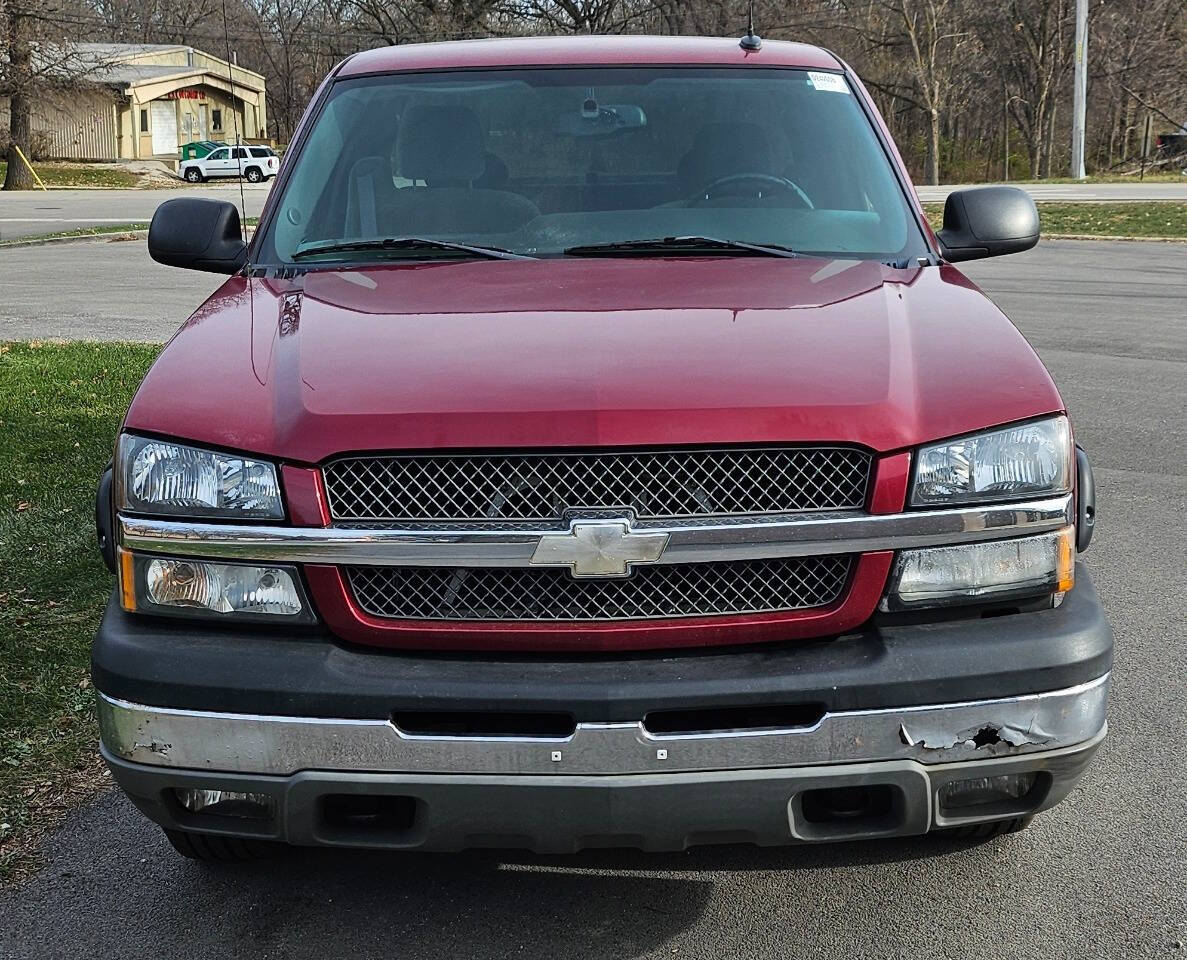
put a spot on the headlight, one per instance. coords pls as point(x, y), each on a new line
point(161, 477)
point(1031, 459)
point(990, 570)
point(174, 586)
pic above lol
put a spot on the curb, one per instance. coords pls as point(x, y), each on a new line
point(140, 233)
point(137, 233)
point(78, 186)
point(1124, 239)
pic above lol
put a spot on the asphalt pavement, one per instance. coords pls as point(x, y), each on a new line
point(97, 290)
point(35, 213)
point(1102, 875)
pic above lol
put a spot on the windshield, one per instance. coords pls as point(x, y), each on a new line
point(585, 162)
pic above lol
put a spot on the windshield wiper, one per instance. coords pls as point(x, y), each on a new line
point(679, 245)
point(414, 244)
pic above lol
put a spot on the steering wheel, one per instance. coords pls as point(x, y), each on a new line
point(734, 185)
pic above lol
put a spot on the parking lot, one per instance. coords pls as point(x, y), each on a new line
point(1104, 874)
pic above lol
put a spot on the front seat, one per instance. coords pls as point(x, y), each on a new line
point(722, 150)
point(442, 147)
point(369, 198)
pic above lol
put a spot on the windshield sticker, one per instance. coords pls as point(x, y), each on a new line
point(832, 82)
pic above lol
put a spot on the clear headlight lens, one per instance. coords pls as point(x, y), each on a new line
point(160, 477)
point(992, 570)
point(1032, 459)
point(184, 587)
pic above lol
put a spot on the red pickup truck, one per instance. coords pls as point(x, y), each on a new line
point(594, 446)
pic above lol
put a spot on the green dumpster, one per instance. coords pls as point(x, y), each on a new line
point(199, 149)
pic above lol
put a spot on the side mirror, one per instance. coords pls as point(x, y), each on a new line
point(197, 234)
point(988, 222)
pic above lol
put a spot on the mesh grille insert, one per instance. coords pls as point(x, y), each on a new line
point(542, 486)
point(652, 592)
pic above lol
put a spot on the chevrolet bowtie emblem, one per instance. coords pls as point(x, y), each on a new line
point(599, 548)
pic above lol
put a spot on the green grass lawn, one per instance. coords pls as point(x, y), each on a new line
point(79, 175)
point(60, 407)
point(1154, 219)
point(99, 231)
point(1172, 175)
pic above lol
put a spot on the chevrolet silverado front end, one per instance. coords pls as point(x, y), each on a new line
point(594, 446)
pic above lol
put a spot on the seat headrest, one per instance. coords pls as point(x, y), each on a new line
point(440, 143)
point(722, 149)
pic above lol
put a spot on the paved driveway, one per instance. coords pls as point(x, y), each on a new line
point(1103, 875)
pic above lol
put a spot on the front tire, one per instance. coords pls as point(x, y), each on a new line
point(253, 175)
point(209, 848)
point(193, 175)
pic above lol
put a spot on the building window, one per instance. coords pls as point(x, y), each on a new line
point(216, 117)
point(144, 121)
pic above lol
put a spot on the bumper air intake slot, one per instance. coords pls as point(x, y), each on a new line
point(757, 718)
point(432, 723)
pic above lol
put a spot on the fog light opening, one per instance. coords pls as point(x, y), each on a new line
point(226, 803)
point(1010, 791)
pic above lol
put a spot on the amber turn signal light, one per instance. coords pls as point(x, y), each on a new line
point(127, 580)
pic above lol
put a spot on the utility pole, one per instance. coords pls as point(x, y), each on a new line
point(1080, 100)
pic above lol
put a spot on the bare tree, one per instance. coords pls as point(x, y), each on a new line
point(930, 46)
point(1032, 47)
point(36, 60)
point(944, 72)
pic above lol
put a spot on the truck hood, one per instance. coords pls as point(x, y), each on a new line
point(585, 352)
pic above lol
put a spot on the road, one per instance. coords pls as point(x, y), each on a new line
point(101, 290)
point(1103, 875)
point(36, 213)
point(1079, 192)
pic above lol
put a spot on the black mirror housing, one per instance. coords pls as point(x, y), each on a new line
point(988, 222)
point(197, 234)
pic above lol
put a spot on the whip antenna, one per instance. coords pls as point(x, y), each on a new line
point(235, 122)
point(752, 41)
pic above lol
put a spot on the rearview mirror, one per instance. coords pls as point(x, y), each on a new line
point(988, 222)
point(605, 120)
point(197, 234)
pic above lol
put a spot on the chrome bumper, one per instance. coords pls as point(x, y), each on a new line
point(281, 746)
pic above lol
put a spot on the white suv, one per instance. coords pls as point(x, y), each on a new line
point(256, 163)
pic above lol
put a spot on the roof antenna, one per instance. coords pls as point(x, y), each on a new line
point(752, 41)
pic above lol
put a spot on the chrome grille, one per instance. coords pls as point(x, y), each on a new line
point(541, 487)
point(653, 592)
